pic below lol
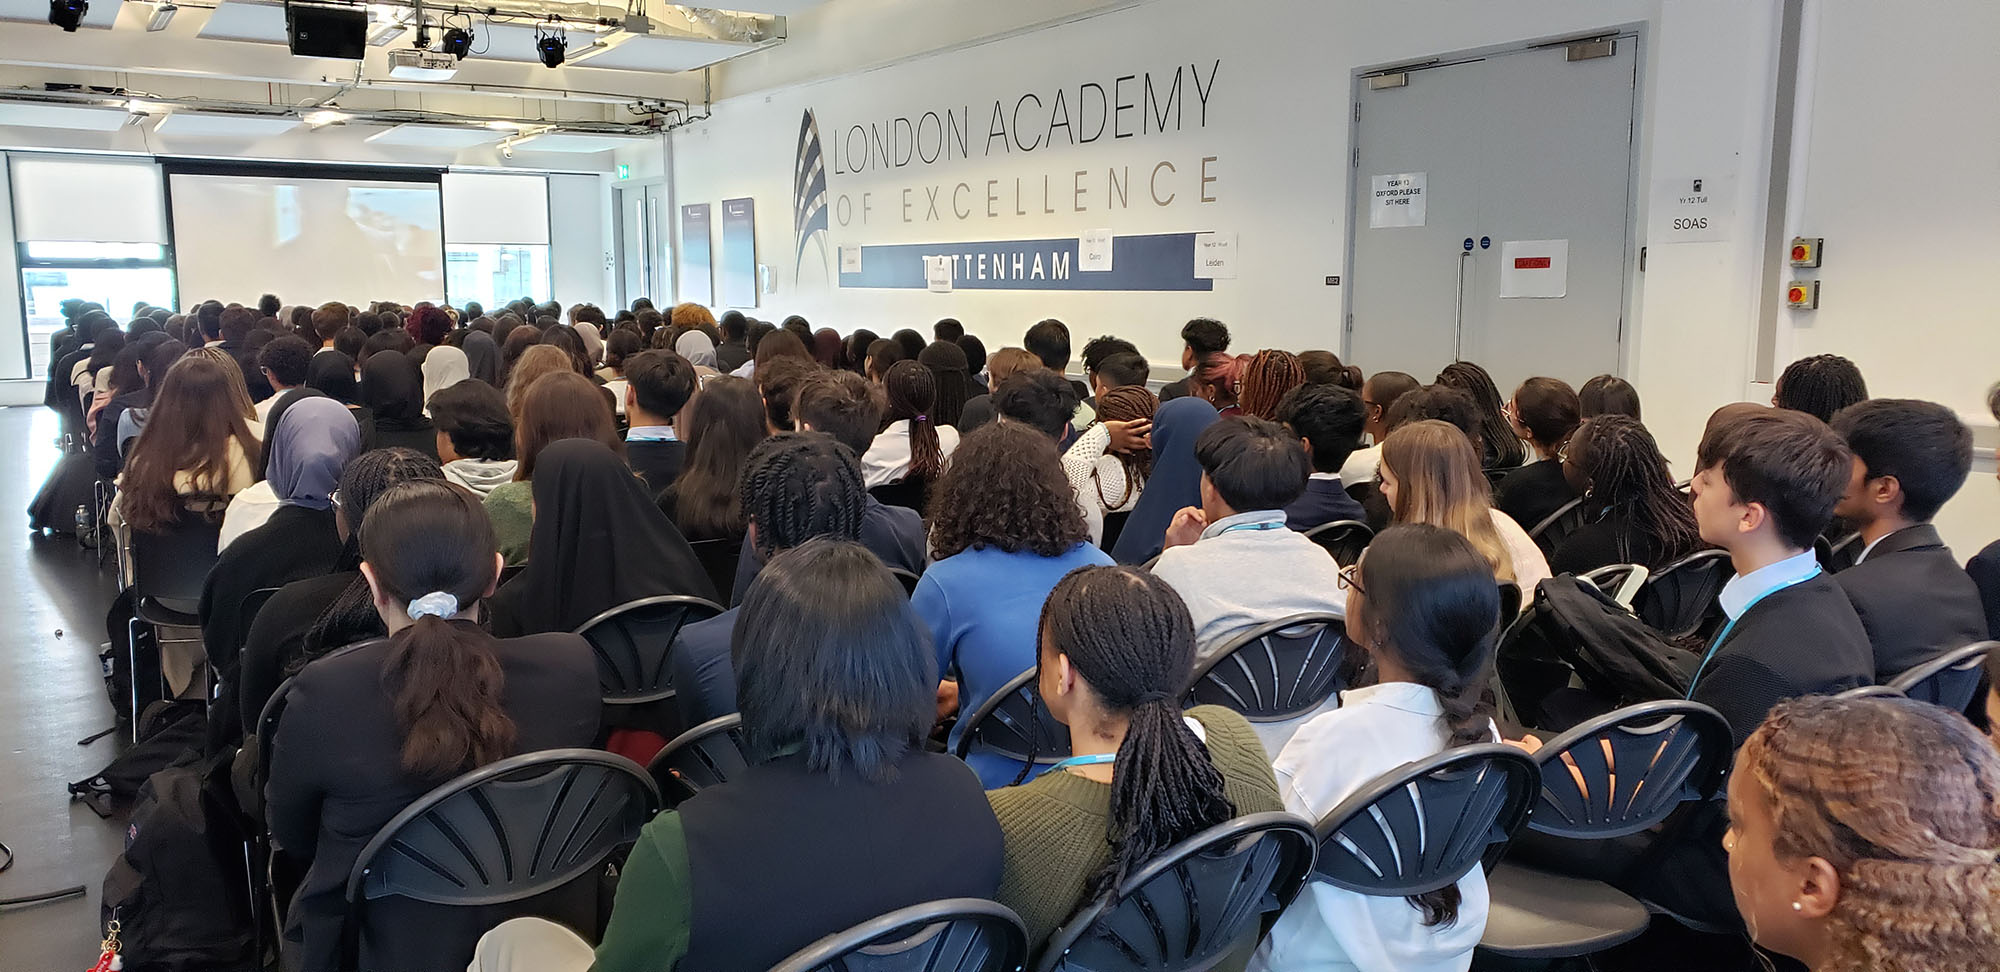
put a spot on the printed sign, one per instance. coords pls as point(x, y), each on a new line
point(1163, 261)
point(1534, 268)
point(1693, 209)
point(1397, 200)
point(1094, 251)
point(1215, 256)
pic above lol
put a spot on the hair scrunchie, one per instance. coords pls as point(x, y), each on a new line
point(437, 604)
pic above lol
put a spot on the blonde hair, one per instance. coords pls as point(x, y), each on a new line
point(1903, 799)
point(1438, 482)
point(534, 363)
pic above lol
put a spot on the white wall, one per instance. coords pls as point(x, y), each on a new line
point(580, 246)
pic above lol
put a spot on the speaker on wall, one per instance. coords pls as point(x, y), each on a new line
point(327, 31)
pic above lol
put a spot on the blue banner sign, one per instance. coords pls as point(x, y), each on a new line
point(1163, 261)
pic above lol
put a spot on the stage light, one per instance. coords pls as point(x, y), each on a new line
point(324, 117)
point(68, 14)
point(162, 14)
point(551, 44)
point(457, 42)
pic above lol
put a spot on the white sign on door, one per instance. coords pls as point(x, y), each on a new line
point(1215, 256)
point(1397, 199)
point(1534, 268)
point(1692, 209)
point(1094, 250)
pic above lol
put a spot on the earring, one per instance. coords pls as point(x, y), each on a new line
point(1797, 906)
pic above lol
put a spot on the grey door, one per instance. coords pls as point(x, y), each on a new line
point(1529, 145)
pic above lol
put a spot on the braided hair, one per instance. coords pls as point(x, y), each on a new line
point(1820, 386)
point(1127, 403)
point(351, 617)
point(801, 485)
point(1129, 637)
point(1266, 377)
point(1624, 474)
point(912, 389)
point(1502, 448)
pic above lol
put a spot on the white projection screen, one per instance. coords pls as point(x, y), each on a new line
point(306, 239)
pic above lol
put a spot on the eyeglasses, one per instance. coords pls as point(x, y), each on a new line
point(1350, 576)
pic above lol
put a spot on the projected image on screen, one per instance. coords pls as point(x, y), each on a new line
point(307, 240)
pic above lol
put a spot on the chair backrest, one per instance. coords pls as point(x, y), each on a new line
point(1625, 771)
point(701, 757)
point(632, 640)
point(1557, 526)
point(1836, 554)
point(1195, 904)
point(1275, 671)
point(169, 565)
point(718, 558)
point(908, 492)
point(1014, 723)
point(1425, 824)
point(509, 572)
point(1679, 600)
point(1950, 679)
point(246, 612)
point(953, 935)
point(1510, 603)
point(1870, 692)
point(1619, 582)
point(1344, 539)
point(907, 578)
point(1114, 527)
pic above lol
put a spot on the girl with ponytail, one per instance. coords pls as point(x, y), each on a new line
point(369, 729)
point(1116, 654)
point(1422, 603)
point(914, 443)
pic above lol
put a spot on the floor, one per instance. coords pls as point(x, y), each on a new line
point(54, 598)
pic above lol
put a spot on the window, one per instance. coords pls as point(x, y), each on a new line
point(494, 273)
point(496, 232)
point(91, 230)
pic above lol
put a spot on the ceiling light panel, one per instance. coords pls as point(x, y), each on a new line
point(436, 136)
point(661, 54)
point(244, 22)
point(64, 116)
point(189, 124)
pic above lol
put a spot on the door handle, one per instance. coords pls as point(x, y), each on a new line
point(1458, 308)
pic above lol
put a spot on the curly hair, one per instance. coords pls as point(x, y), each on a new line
point(1005, 488)
point(1902, 798)
point(1820, 386)
point(1265, 378)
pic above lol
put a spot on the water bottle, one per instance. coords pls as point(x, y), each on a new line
point(82, 520)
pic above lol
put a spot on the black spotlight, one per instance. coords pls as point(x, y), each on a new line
point(552, 47)
point(68, 14)
point(457, 42)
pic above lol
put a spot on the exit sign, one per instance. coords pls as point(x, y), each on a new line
point(624, 171)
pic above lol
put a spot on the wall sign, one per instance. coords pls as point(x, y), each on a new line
point(1397, 199)
point(1157, 262)
point(1691, 209)
point(739, 253)
point(1534, 268)
point(696, 270)
point(1094, 251)
point(1215, 256)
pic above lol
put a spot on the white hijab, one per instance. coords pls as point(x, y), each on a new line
point(444, 367)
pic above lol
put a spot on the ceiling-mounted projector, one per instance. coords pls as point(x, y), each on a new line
point(420, 65)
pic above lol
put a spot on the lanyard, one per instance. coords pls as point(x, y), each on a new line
point(1091, 760)
point(1268, 525)
point(1713, 646)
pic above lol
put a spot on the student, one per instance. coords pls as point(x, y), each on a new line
point(1422, 603)
point(947, 329)
point(315, 438)
point(832, 673)
point(1004, 528)
point(796, 486)
point(948, 366)
point(1500, 447)
point(482, 353)
point(725, 421)
point(619, 349)
point(283, 364)
point(1107, 465)
point(1202, 339)
point(1114, 647)
point(1984, 567)
point(1378, 395)
point(444, 367)
point(1862, 836)
point(197, 449)
point(1049, 341)
point(1632, 512)
point(1914, 600)
point(1097, 351)
point(1266, 377)
point(1004, 364)
point(975, 360)
point(1040, 399)
point(1174, 481)
point(369, 730)
point(778, 383)
point(909, 344)
point(1608, 395)
point(558, 406)
point(475, 436)
point(1430, 474)
point(658, 385)
point(1328, 421)
point(1820, 386)
point(1544, 414)
point(913, 444)
point(854, 350)
point(1324, 368)
point(392, 387)
point(107, 444)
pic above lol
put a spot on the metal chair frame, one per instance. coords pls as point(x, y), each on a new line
point(1956, 672)
point(984, 936)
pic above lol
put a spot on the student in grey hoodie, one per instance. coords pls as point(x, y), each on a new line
point(475, 435)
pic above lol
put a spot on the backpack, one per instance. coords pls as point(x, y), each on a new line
point(1575, 631)
point(168, 730)
point(179, 891)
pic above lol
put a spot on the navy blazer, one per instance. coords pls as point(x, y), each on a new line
point(1324, 501)
point(1914, 600)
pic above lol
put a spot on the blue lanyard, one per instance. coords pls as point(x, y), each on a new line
point(1269, 525)
point(1091, 760)
point(1731, 626)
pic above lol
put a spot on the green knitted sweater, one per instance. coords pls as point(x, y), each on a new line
point(1057, 825)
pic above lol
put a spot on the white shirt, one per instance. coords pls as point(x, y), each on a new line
point(1744, 590)
point(264, 407)
point(616, 387)
point(1327, 929)
point(247, 511)
point(1530, 567)
point(888, 457)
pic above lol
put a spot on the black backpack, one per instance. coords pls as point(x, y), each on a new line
point(168, 730)
point(1575, 630)
point(179, 891)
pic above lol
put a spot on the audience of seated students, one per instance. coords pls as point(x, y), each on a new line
point(913, 444)
point(1231, 558)
point(1632, 512)
point(796, 486)
point(368, 730)
point(1265, 378)
point(1004, 528)
point(1430, 474)
point(1608, 395)
point(1004, 364)
point(947, 364)
point(1202, 339)
point(725, 421)
point(1327, 419)
point(1863, 834)
point(233, 327)
point(1984, 567)
point(1107, 465)
point(1379, 394)
point(1820, 386)
point(1499, 447)
point(833, 676)
point(1173, 483)
point(1423, 606)
point(1325, 368)
point(283, 364)
point(475, 436)
point(392, 387)
point(1544, 414)
point(658, 385)
point(1113, 650)
point(558, 406)
point(1914, 600)
point(734, 350)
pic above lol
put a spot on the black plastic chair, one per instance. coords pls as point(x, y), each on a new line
point(719, 558)
point(953, 935)
point(1950, 680)
point(1613, 776)
point(521, 827)
point(510, 572)
point(1619, 582)
point(1344, 539)
point(1838, 554)
point(1276, 671)
point(1198, 902)
point(1014, 723)
point(1114, 527)
point(631, 643)
point(1426, 824)
point(1557, 526)
point(699, 758)
point(1679, 600)
point(906, 578)
point(168, 569)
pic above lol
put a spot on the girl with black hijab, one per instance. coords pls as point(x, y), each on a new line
point(392, 386)
point(598, 542)
point(482, 356)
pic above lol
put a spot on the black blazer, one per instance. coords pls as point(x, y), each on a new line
point(1914, 600)
point(1984, 569)
point(1324, 501)
point(336, 778)
point(1533, 493)
point(658, 463)
point(1800, 640)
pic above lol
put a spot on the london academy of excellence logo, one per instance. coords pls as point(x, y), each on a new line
point(808, 192)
